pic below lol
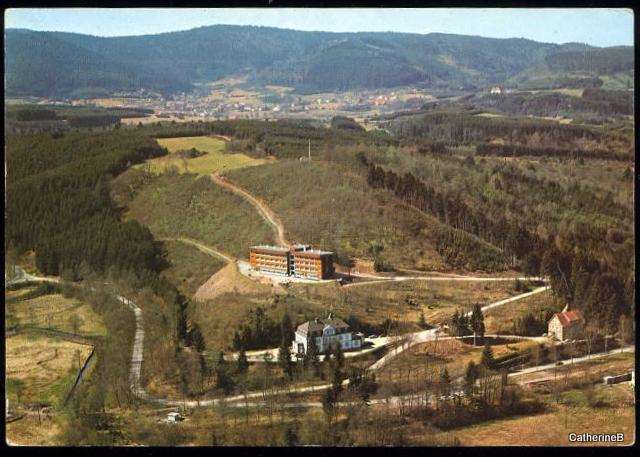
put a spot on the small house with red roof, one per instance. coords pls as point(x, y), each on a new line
point(567, 325)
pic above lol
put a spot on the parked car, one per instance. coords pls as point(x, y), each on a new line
point(174, 417)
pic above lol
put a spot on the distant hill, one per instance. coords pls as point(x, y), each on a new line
point(55, 63)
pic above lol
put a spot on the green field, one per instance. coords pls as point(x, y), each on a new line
point(215, 160)
point(174, 205)
point(371, 305)
point(618, 81)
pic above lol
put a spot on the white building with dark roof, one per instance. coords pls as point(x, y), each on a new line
point(326, 333)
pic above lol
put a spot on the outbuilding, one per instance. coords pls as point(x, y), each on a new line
point(567, 325)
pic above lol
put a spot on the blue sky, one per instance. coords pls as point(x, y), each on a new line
point(598, 27)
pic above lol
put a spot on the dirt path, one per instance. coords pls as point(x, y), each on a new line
point(266, 212)
point(202, 247)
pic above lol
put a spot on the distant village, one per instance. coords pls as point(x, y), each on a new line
point(272, 102)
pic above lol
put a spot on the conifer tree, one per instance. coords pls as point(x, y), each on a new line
point(487, 356)
point(242, 363)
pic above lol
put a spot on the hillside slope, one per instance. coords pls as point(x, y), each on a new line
point(54, 63)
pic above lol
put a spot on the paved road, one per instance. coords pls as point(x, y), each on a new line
point(266, 212)
point(566, 362)
point(410, 340)
point(137, 357)
point(381, 279)
point(512, 299)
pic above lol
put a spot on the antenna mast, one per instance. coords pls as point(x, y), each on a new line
point(309, 149)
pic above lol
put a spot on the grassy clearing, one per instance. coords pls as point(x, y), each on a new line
point(190, 267)
point(329, 206)
point(425, 360)
point(41, 369)
point(618, 81)
point(404, 301)
point(55, 312)
point(175, 206)
point(214, 160)
point(221, 316)
point(227, 297)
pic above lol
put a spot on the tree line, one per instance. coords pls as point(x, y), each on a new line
point(58, 202)
point(457, 127)
point(515, 150)
point(603, 288)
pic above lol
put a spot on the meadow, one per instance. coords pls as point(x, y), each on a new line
point(551, 428)
point(41, 369)
point(215, 159)
point(230, 297)
point(53, 311)
point(501, 319)
point(405, 301)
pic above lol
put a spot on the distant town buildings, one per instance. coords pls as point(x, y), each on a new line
point(496, 90)
point(298, 260)
point(326, 334)
point(567, 325)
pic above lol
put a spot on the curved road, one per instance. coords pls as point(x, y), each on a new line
point(406, 341)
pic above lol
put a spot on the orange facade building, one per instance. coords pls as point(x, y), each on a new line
point(298, 260)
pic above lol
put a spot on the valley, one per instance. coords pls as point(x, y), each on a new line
point(302, 246)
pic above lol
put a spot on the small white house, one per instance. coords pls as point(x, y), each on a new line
point(496, 90)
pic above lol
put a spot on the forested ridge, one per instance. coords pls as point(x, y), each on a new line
point(58, 202)
point(59, 205)
point(54, 63)
point(584, 241)
point(593, 102)
point(516, 136)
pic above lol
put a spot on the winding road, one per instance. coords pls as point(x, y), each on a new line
point(406, 341)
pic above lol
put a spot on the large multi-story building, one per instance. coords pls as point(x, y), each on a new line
point(325, 333)
point(298, 260)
